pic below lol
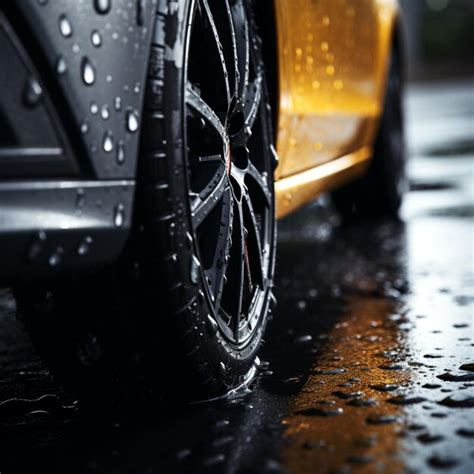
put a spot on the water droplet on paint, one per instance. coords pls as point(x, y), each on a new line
point(118, 103)
point(102, 7)
point(65, 27)
point(104, 112)
point(120, 153)
point(87, 71)
point(119, 215)
point(84, 245)
point(108, 142)
point(32, 93)
point(132, 121)
point(96, 39)
point(55, 258)
point(61, 66)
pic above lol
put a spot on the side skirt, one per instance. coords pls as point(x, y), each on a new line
point(300, 189)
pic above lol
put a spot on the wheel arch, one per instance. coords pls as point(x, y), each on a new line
point(266, 22)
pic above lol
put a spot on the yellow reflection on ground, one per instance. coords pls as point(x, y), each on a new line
point(355, 374)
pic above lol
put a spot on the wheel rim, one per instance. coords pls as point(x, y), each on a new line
point(229, 164)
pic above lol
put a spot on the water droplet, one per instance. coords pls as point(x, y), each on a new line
point(381, 419)
point(321, 412)
point(118, 103)
point(36, 247)
point(137, 88)
point(194, 272)
point(362, 402)
point(108, 78)
point(448, 377)
point(427, 438)
point(303, 339)
point(88, 71)
point(55, 258)
point(330, 372)
point(84, 127)
point(96, 39)
point(32, 93)
point(102, 7)
point(403, 400)
point(105, 112)
point(84, 245)
point(94, 108)
point(132, 121)
point(80, 199)
point(211, 325)
point(213, 460)
point(466, 432)
point(119, 215)
point(120, 153)
point(108, 142)
point(458, 401)
point(347, 395)
point(65, 26)
point(61, 66)
point(440, 462)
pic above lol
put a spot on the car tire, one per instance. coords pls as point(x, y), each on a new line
point(380, 192)
point(184, 311)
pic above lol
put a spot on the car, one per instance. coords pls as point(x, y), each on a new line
point(147, 149)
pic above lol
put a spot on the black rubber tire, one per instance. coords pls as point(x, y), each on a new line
point(380, 192)
point(143, 328)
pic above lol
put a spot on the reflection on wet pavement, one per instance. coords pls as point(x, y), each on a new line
point(367, 366)
point(373, 399)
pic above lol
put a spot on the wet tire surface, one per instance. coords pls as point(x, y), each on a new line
point(368, 364)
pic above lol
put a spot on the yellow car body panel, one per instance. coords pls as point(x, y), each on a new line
point(333, 62)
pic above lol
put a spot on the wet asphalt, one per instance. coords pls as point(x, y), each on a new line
point(368, 364)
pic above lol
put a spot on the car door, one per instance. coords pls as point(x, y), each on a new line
point(329, 71)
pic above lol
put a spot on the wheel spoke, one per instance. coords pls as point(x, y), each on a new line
point(252, 102)
point(250, 110)
point(217, 272)
point(242, 48)
point(208, 199)
point(204, 111)
point(261, 183)
point(220, 49)
point(232, 296)
point(253, 244)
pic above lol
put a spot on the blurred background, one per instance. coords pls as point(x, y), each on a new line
point(440, 37)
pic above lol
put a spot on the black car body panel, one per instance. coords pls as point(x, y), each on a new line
point(71, 96)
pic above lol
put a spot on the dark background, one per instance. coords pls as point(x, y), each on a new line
point(440, 38)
